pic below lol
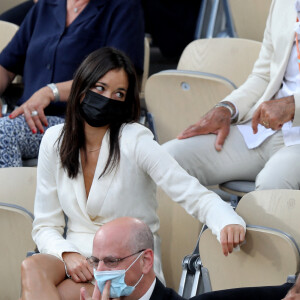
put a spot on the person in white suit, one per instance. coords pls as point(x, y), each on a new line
point(254, 133)
point(101, 165)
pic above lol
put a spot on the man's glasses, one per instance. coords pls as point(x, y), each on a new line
point(110, 262)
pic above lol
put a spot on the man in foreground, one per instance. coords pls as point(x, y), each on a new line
point(123, 263)
point(125, 244)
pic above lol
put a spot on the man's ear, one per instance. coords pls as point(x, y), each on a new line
point(147, 261)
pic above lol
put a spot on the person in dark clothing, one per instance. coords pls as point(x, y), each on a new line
point(171, 24)
point(17, 13)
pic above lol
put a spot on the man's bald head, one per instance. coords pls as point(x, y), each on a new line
point(129, 233)
point(125, 238)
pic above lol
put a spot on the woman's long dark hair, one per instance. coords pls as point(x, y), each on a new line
point(72, 137)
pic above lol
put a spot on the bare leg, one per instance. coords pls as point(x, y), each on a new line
point(41, 273)
point(70, 290)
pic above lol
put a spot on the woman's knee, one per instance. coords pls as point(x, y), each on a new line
point(30, 271)
point(42, 267)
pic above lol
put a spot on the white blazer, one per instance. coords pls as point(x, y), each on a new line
point(130, 190)
point(268, 72)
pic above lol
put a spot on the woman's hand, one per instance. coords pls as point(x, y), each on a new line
point(78, 267)
point(231, 236)
point(36, 103)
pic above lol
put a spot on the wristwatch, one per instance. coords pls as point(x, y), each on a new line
point(233, 113)
point(55, 91)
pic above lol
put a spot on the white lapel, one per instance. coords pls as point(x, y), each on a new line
point(79, 189)
point(100, 187)
point(284, 36)
point(283, 40)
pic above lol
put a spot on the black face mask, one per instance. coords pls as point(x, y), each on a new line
point(99, 111)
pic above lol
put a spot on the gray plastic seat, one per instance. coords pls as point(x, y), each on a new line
point(238, 187)
point(32, 162)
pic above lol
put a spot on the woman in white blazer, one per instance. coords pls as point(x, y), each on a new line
point(101, 165)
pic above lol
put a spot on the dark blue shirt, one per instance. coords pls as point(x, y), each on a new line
point(44, 50)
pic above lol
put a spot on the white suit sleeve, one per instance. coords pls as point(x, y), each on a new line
point(247, 95)
point(49, 222)
point(182, 188)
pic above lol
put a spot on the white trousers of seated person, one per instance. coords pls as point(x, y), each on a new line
point(272, 165)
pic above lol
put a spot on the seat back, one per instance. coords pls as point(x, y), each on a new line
point(178, 232)
point(267, 258)
point(18, 186)
point(146, 66)
point(7, 31)
point(176, 99)
point(16, 241)
point(273, 208)
point(249, 17)
point(232, 58)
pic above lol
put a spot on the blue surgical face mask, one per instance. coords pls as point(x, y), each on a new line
point(118, 287)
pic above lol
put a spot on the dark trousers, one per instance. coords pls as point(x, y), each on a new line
point(257, 293)
point(17, 14)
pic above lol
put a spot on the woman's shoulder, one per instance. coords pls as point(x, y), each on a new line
point(48, 148)
point(51, 135)
point(134, 130)
point(134, 136)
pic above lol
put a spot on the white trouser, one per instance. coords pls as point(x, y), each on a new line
point(272, 165)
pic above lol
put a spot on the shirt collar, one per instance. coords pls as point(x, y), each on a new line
point(148, 294)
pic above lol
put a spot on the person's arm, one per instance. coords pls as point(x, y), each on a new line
point(49, 221)
point(186, 190)
point(6, 79)
point(13, 58)
point(39, 101)
point(127, 31)
point(247, 95)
